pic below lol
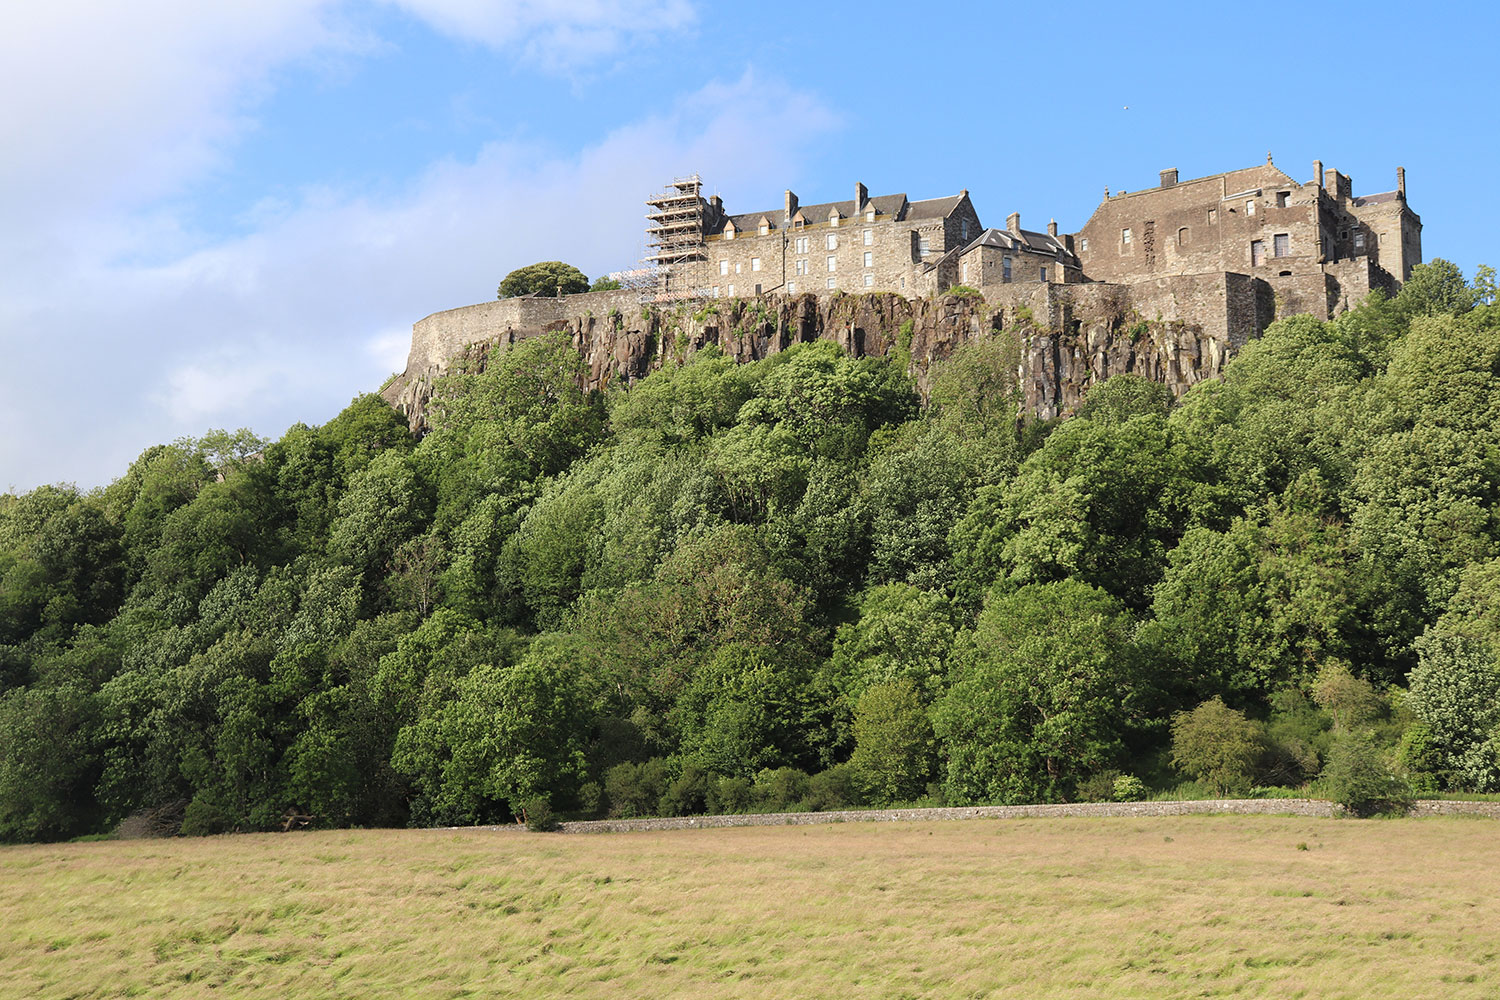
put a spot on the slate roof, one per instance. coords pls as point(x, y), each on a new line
point(1375, 199)
point(892, 206)
point(1028, 241)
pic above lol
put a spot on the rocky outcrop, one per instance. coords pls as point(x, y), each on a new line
point(1068, 336)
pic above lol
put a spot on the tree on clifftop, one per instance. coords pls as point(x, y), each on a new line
point(545, 278)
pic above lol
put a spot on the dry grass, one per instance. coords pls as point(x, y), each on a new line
point(1171, 907)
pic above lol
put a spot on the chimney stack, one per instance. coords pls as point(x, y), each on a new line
point(1013, 223)
point(791, 210)
point(1169, 177)
point(1401, 182)
point(1318, 173)
point(1052, 227)
point(861, 195)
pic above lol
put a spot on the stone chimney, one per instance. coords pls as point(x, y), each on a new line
point(1169, 177)
point(1338, 184)
point(1052, 227)
point(861, 195)
point(791, 210)
point(1401, 182)
point(1013, 223)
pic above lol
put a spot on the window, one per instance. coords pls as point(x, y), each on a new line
point(833, 218)
point(903, 282)
point(731, 291)
point(922, 248)
point(1359, 240)
point(833, 282)
point(755, 263)
point(1250, 207)
point(1182, 237)
point(963, 229)
point(1085, 245)
point(1213, 216)
point(1005, 269)
point(716, 291)
point(833, 263)
point(1044, 274)
point(869, 259)
point(869, 237)
point(1281, 244)
point(869, 281)
point(729, 232)
point(870, 215)
point(802, 244)
point(1257, 253)
point(736, 267)
point(723, 267)
point(1125, 237)
point(833, 241)
point(757, 289)
point(791, 288)
point(798, 223)
point(801, 267)
point(765, 228)
point(1281, 197)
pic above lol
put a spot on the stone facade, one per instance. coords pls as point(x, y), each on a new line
point(1168, 283)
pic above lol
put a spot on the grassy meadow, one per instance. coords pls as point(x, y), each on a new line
point(1170, 907)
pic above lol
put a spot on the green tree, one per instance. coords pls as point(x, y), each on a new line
point(1217, 744)
point(1434, 288)
point(893, 743)
point(605, 284)
point(547, 278)
point(1455, 691)
point(1043, 693)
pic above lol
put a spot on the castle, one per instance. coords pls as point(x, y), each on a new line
point(1315, 246)
point(1169, 282)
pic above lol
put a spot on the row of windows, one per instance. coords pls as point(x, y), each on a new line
point(724, 266)
point(791, 286)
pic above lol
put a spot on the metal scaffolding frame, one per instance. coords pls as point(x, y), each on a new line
point(675, 245)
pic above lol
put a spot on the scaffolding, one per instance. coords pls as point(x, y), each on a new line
point(675, 244)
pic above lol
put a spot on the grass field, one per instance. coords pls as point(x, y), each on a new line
point(1162, 907)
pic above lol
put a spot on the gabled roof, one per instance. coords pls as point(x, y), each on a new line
point(1026, 242)
point(892, 206)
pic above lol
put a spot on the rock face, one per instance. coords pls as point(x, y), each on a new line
point(1070, 336)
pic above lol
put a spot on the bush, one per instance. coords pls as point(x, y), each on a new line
point(731, 795)
point(1098, 787)
point(1358, 778)
point(687, 794)
point(780, 790)
point(1419, 761)
point(835, 788)
point(538, 815)
point(635, 789)
point(1217, 744)
point(1129, 788)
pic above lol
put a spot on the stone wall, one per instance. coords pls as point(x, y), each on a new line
point(1312, 808)
point(1173, 330)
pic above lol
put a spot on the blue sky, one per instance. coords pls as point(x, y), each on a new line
point(230, 214)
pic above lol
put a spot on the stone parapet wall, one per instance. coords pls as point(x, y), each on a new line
point(1312, 808)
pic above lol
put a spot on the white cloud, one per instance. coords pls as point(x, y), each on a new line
point(555, 33)
point(314, 306)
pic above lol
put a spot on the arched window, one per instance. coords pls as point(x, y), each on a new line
point(1182, 236)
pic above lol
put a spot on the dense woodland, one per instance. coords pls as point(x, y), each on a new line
point(791, 584)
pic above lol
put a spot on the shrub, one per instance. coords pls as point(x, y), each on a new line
point(1098, 787)
point(1217, 744)
point(1358, 778)
point(1129, 788)
point(635, 789)
point(780, 790)
point(731, 795)
point(687, 794)
point(538, 815)
point(835, 788)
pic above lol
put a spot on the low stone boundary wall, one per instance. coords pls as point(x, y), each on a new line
point(1442, 807)
point(1239, 807)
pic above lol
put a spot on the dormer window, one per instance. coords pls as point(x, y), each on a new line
point(833, 216)
point(765, 227)
point(870, 214)
point(729, 231)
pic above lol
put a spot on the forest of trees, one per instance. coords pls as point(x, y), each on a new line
point(791, 584)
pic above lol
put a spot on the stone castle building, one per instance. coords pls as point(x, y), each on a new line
point(1169, 282)
point(1315, 245)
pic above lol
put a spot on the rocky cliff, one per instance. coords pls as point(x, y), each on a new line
point(1071, 336)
